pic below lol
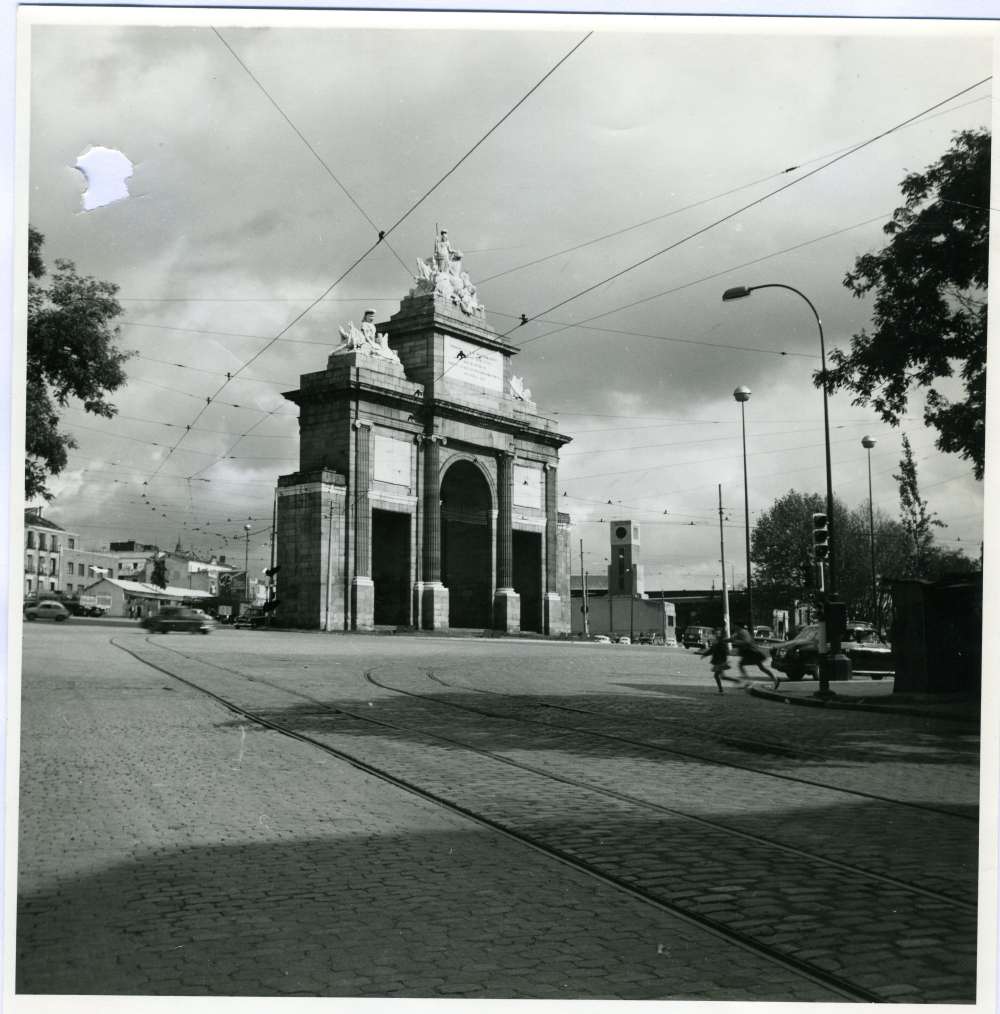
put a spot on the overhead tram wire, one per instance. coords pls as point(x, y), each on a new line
point(260, 352)
point(687, 285)
point(492, 129)
point(746, 207)
point(697, 281)
point(284, 116)
point(420, 201)
point(697, 204)
point(388, 299)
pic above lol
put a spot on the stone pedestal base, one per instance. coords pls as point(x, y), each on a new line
point(362, 603)
point(552, 614)
point(507, 611)
point(433, 606)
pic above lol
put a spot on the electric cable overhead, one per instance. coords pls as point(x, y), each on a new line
point(746, 207)
point(503, 118)
point(284, 116)
point(698, 204)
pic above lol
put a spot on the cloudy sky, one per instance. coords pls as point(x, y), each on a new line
point(234, 227)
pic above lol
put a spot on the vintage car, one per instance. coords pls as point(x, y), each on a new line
point(698, 637)
point(179, 618)
point(47, 609)
point(869, 656)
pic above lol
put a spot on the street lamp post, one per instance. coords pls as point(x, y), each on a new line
point(742, 395)
point(868, 443)
point(835, 663)
point(246, 566)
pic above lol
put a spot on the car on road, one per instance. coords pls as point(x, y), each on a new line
point(254, 617)
point(698, 637)
point(178, 618)
point(800, 656)
point(47, 609)
point(624, 639)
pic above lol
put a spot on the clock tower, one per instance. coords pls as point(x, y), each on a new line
point(625, 575)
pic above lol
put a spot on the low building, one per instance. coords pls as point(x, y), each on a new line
point(139, 599)
point(55, 560)
point(134, 561)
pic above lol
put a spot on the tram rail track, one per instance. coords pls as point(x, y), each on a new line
point(656, 748)
point(838, 984)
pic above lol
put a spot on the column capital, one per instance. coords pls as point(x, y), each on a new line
point(358, 423)
point(432, 438)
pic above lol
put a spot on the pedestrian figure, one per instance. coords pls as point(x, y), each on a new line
point(719, 650)
point(138, 612)
point(750, 653)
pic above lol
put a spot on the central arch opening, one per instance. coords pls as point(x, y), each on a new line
point(467, 545)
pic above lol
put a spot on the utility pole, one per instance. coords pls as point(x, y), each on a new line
point(246, 567)
point(270, 574)
point(722, 547)
point(583, 585)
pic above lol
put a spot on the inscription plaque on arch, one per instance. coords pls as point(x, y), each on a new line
point(471, 364)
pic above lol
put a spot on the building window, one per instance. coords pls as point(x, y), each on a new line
point(30, 568)
point(670, 621)
point(69, 569)
point(52, 586)
point(621, 570)
point(90, 572)
point(31, 540)
point(69, 587)
point(72, 543)
point(41, 541)
point(53, 567)
point(55, 544)
point(29, 584)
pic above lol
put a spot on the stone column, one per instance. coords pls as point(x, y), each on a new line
point(434, 595)
point(362, 586)
point(551, 605)
point(506, 602)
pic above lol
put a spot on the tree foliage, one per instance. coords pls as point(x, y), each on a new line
point(916, 519)
point(781, 552)
point(159, 575)
point(71, 353)
point(929, 316)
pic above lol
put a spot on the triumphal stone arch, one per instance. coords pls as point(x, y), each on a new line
point(426, 490)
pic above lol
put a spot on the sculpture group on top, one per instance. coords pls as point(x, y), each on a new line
point(366, 340)
point(442, 275)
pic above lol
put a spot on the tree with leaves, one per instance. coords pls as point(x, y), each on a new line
point(917, 520)
point(929, 315)
point(71, 352)
point(159, 575)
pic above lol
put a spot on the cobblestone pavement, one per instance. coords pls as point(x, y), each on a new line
point(170, 846)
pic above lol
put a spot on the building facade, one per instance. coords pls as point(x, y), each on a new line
point(426, 491)
point(55, 560)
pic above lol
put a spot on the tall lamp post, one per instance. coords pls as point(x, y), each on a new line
point(742, 395)
point(836, 665)
point(868, 443)
point(246, 566)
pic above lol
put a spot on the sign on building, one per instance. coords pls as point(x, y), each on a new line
point(392, 460)
point(471, 364)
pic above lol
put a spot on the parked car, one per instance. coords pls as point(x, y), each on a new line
point(648, 637)
point(178, 618)
point(601, 639)
point(698, 637)
point(623, 639)
point(47, 609)
point(869, 656)
point(253, 617)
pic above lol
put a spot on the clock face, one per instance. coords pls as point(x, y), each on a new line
point(621, 532)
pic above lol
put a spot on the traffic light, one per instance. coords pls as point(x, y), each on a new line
point(272, 571)
point(821, 537)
